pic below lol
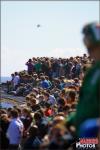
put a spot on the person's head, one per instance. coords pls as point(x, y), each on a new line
point(47, 105)
point(76, 80)
point(19, 111)
point(66, 109)
point(60, 114)
point(41, 74)
point(84, 55)
point(72, 96)
point(30, 60)
point(41, 98)
point(32, 95)
point(26, 112)
point(33, 101)
point(14, 113)
point(35, 76)
point(92, 39)
point(4, 117)
point(58, 120)
point(61, 102)
point(46, 77)
point(8, 111)
point(71, 59)
point(57, 132)
point(16, 73)
point(12, 75)
point(46, 95)
point(42, 78)
point(33, 131)
point(63, 92)
point(3, 111)
point(27, 98)
point(37, 117)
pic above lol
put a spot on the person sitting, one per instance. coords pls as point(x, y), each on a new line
point(44, 83)
point(34, 105)
point(48, 112)
point(49, 98)
point(61, 104)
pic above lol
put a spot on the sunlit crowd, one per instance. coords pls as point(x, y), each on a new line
point(46, 121)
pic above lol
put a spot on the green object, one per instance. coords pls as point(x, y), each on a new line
point(38, 67)
point(89, 101)
point(70, 119)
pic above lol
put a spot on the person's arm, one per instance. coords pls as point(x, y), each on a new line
point(8, 131)
point(26, 63)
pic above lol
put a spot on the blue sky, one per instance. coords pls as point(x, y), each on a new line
point(59, 35)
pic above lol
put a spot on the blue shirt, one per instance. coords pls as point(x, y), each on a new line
point(15, 130)
point(45, 84)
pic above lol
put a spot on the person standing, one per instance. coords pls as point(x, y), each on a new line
point(30, 67)
point(4, 124)
point(16, 81)
point(89, 99)
point(14, 131)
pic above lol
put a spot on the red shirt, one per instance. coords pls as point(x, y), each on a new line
point(48, 112)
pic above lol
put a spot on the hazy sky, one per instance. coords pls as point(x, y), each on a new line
point(59, 35)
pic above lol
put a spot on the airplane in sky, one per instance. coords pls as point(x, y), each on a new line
point(38, 25)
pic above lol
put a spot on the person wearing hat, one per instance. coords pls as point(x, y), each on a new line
point(89, 100)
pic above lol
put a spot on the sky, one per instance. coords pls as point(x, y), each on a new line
point(60, 33)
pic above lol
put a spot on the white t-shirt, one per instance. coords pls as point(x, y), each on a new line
point(16, 80)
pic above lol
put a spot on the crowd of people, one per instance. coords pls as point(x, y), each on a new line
point(48, 73)
point(61, 108)
point(51, 89)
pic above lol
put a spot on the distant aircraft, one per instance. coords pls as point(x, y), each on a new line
point(38, 25)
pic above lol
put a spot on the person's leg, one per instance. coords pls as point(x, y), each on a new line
point(8, 86)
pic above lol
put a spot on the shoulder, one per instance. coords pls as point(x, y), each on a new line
point(93, 74)
point(91, 80)
point(12, 123)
